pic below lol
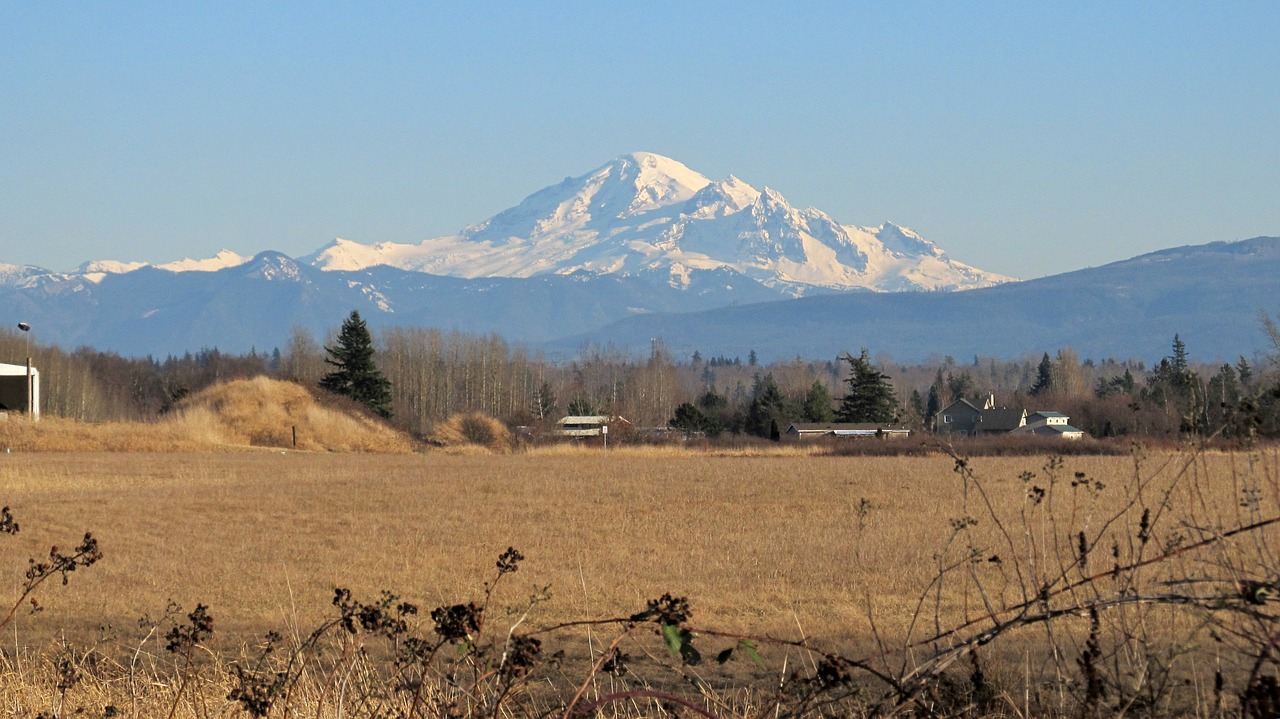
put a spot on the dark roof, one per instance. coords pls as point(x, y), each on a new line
point(961, 402)
point(1001, 420)
point(842, 426)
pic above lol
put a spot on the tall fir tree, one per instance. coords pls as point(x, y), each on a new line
point(355, 375)
point(817, 404)
point(871, 397)
point(767, 405)
point(1044, 377)
point(933, 405)
point(916, 409)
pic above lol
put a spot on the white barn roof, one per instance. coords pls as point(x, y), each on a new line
point(16, 370)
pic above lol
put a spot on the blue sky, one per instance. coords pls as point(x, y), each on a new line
point(1023, 138)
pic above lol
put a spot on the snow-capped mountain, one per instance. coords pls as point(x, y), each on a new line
point(220, 261)
point(96, 270)
point(647, 215)
point(17, 274)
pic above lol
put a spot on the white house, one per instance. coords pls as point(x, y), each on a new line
point(16, 395)
point(1051, 424)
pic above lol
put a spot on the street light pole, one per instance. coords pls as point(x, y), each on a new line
point(26, 329)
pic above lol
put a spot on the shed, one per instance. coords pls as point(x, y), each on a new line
point(812, 430)
point(591, 425)
point(16, 395)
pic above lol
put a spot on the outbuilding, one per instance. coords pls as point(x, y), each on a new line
point(587, 425)
point(20, 391)
point(817, 430)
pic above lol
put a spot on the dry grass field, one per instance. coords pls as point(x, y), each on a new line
point(838, 585)
point(860, 556)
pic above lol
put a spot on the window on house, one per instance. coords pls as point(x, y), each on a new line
point(946, 419)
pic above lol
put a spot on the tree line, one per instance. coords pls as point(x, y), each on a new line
point(428, 375)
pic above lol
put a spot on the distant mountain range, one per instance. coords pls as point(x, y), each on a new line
point(644, 247)
point(1210, 295)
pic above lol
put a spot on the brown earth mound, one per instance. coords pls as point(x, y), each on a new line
point(259, 412)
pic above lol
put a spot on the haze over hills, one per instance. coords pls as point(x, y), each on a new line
point(1210, 295)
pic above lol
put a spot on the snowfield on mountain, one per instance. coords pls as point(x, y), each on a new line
point(645, 214)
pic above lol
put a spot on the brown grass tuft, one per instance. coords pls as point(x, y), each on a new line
point(473, 430)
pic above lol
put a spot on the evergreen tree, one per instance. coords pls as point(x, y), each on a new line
point(715, 407)
point(1124, 384)
point(1044, 377)
point(1245, 371)
point(712, 402)
point(915, 406)
point(817, 404)
point(871, 397)
point(688, 418)
point(944, 396)
point(961, 386)
point(1173, 385)
point(355, 375)
point(767, 405)
point(544, 401)
point(1179, 358)
point(933, 405)
point(1223, 403)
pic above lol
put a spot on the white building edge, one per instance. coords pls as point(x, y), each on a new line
point(15, 394)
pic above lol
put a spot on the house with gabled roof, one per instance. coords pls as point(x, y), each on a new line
point(964, 418)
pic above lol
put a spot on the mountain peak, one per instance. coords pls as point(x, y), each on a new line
point(224, 259)
point(109, 267)
point(644, 181)
point(643, 212)
point(725, 197)
point(651, 164)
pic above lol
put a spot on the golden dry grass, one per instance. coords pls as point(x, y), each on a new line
point(259, 412)
point(473, 430)
point(772, 543)
point(786, 543)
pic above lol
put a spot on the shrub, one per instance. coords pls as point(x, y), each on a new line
point(474, 429)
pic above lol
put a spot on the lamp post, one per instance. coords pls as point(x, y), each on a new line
point(26, 329)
